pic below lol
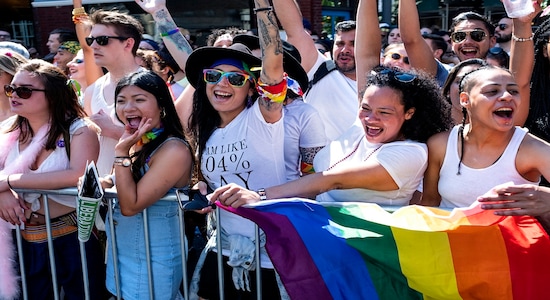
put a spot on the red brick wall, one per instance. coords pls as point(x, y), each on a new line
point(311, 10)
point(47, 19)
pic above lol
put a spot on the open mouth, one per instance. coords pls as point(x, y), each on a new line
point(222, 95)
point(134, 122)
point(504, 112)
point(373, 131)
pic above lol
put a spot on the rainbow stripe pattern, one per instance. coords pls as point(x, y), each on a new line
point(360, 251)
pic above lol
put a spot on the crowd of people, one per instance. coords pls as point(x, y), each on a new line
point(393, 115)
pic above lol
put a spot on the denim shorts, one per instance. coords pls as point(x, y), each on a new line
point(166, 260)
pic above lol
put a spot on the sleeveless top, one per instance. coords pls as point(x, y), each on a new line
point(106, 144)
point(462, 190)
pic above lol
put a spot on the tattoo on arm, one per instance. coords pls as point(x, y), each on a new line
point(308, 154)
point(164, 24)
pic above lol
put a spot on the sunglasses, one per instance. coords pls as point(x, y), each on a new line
point(398, 75)
point(103, 40)
point(23, 92)
point(397, 56)
point(502, 26)
point(476, 35)
point(236, 79)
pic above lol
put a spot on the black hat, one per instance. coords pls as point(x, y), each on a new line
point(291, 58)
point(204, 57)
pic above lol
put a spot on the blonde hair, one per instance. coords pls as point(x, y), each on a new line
point(10, 61)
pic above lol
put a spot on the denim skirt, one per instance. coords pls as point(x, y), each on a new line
point(166, 258)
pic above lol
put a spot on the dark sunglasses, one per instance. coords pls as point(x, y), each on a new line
point(398, 75)
point(103, 40)
point(476, 35)
point(502, 26)
point(23, 92)
point(496, 51)
point(397, 56)
point(236, 79)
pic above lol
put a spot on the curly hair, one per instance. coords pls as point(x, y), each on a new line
point(419, 91)
point(62, 102)
point(152, 83)
point(538, 120)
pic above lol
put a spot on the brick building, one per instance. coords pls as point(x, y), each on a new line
point(30, 21)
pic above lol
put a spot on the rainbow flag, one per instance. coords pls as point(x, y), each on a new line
point(361, 251)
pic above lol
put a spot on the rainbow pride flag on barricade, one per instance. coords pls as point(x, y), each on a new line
point(360, 251)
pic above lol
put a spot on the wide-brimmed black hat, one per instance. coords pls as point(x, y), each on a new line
point(204, 57)
point(291, 58)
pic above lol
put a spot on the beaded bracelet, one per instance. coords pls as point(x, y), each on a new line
point(518, 39)
point(268, 8)
point(79, 11)
point(169, 33)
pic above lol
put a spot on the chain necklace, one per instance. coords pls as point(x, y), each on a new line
point(352, 152)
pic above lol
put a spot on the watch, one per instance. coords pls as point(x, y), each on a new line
point(124, 161)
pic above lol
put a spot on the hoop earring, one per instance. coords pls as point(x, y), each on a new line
point(162, 113)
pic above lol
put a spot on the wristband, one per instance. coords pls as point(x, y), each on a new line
point(518, 39)
point(268, 8)
point(263, 195)
point(169, 33)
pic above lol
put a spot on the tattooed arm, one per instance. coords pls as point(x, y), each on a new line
point(272, 58)
point(175, 42)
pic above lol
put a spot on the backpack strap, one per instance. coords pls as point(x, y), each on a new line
point(324, 69)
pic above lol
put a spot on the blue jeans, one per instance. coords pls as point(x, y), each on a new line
point(166, 261)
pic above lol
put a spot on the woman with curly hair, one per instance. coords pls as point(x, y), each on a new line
point(382, 158)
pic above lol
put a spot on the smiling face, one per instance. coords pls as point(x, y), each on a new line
point(396, 57)
point(77, 68)
point(37, 104)
point(492, 101)
point(228, 100)
point(469, 47)
point(382, 114)
point(134, 104)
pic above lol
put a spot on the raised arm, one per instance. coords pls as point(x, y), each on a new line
point(173, 39)
point(522, 59)
point(368, 42)
point(419, 52)
point(288, 13)
point(271, 76)
point(83, 27)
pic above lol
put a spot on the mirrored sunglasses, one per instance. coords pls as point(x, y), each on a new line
point(496, 51)
point(103, 40)
point(236, 79)
point(398, 75)
point(460, 36)
point(397, 56)
point(23, 92)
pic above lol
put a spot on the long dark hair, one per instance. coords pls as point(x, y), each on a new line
point(205, 119)
point(62, 102)
point(432, 113)
point(150, 82)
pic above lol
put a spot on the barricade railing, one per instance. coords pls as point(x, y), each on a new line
point(110, 196)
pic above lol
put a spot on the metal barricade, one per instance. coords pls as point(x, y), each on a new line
point(110, 196)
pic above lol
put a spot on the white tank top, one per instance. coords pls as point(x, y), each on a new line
point(462, 190)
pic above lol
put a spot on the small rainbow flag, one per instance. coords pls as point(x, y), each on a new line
point(361, 251)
